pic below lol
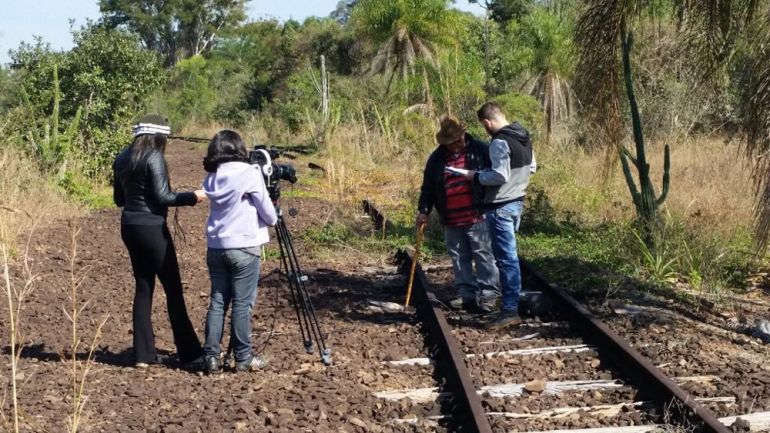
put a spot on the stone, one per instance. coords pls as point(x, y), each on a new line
point(535, 386)
point(358, 423)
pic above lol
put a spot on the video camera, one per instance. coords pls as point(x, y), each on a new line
point(273, 173)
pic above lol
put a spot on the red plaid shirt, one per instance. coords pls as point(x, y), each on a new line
point(459, 200)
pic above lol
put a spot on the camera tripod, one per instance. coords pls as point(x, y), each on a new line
point(308, 323)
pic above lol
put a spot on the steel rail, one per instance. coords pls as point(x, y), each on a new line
point(467, 410)
point(465, 405)
point(650, 381)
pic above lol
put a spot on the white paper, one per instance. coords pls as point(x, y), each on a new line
point(456, 171)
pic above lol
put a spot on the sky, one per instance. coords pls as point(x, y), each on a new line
point(50, 19)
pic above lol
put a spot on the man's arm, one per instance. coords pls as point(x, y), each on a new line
point(498, 174)
point(427, 194)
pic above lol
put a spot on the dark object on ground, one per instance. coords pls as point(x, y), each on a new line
point(315, 166)
point(761, 329)
point(504, 320)
point(535, 304)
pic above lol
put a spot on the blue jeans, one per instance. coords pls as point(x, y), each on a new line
point(503, 223)
point(468, 245)
point(234, 276)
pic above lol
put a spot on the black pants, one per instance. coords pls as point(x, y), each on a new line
point(153, 254)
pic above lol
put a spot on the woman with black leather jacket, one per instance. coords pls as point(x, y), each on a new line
point(142, 189)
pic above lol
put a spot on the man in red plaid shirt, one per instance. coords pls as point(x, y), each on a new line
point(459, 204)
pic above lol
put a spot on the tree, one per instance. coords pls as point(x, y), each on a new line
point(200, 21)
point(152, 20)
point(195, 98)
point(543, 44)
point(503, 11)
point(406, 31)
point(174, 28)
point(260, 54)
point(342, 11)
point(6, 90)
point(107, 74)
point(712, 33)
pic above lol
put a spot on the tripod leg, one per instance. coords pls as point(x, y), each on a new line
point(307, 305)
point(302, 318)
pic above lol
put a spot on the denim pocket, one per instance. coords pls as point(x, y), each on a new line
point(241, 258)
point(254, 251)
point(510, 211)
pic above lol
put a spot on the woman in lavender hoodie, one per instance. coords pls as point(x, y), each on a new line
point(239, 216)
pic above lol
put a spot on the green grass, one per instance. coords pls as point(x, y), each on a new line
point(585, 260)
point(596, 259)
point(299, 193)
point(91, 194)
point(336, 235)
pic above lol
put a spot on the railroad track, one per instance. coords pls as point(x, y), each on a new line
point(570, 374)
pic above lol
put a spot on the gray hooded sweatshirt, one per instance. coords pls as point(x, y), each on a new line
point(512, 162)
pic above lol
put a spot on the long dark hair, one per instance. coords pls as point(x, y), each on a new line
point(226, 146)
point(146, 143)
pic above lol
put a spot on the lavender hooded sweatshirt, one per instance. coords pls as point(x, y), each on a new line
point(240, 209)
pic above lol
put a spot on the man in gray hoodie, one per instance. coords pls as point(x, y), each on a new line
point(505, 185)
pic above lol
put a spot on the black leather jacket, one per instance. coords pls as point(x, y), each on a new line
point(143, 189)
point(433, 192)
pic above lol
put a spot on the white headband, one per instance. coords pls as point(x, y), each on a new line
point(151, 128)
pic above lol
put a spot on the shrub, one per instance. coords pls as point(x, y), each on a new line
point(524, 109)
point(194, 98)
point(107, 73)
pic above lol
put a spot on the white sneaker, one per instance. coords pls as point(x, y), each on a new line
point(254, 363)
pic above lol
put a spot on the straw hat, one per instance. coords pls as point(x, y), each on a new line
point(451, 130)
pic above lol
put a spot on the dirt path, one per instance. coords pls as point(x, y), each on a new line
point(295, 393)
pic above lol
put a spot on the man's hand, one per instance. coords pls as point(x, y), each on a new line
point(420, 220)
point(470, 175)
point(200, 195)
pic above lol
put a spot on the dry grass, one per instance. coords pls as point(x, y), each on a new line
point(16, 295)
point(382, 159)
point(79, 370)
point(201, 130)
point(26, 195)
point(257, 130)
point(710, 185)
point(376, 163)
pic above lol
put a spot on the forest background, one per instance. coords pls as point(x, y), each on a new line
point(364, 88)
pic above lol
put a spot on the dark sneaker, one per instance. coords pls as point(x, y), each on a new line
point(457, 303)
point(483, 308)
point(469, 306)
point(211, 365)
point(254, 363)
point(196, 364)
point(504, 320)
point(474, 307)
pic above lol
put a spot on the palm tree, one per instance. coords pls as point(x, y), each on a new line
point(756, 125)
point(406, 32)
point(712, 31)
point(544, 45)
